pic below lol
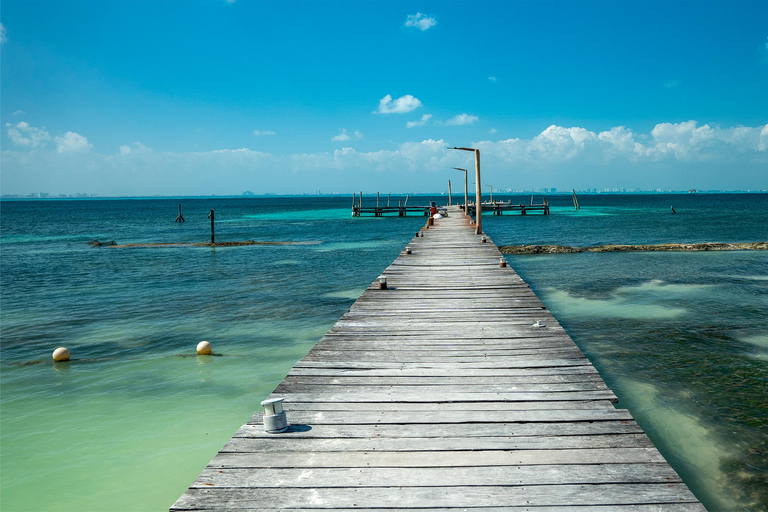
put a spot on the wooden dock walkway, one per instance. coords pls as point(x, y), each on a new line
point(440, 393)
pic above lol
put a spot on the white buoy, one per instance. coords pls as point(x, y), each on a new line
point(61, 354)
point(204, 348)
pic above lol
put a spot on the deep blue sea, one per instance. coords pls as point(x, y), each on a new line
point(682, 338)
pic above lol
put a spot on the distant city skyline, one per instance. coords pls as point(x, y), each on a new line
point(216, 97)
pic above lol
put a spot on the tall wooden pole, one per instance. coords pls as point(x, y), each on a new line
point(213, 238)
point(478, 193)
point(449, 192)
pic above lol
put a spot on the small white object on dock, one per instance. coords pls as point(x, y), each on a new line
point(274, 416)
point(539, 323)
point(61, 354)
point(204, 348)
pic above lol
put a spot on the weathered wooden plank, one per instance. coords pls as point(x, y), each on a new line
point(415, 397)
point(659, 507)
point(435, 477)
point(451, 497)
point(436, 459)
point(468, 430)
point(436, 417)
point(421, 444)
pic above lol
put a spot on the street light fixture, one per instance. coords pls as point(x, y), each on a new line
point(466, 206)
point(478, 191)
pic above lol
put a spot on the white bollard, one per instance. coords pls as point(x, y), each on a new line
point(274, 416)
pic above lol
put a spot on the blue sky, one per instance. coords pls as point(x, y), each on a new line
point(217, 97)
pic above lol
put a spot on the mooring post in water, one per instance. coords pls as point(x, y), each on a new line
point(575, 200)
point(449, 192)
point(388, 200)
point(210, 216)
point(180, 218)
point(673, 210)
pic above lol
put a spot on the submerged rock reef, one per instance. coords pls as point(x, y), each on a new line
point(565, 249)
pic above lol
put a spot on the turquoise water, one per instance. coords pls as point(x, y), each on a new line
point(133, 418)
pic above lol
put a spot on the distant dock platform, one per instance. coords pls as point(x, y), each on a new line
point(452, 388)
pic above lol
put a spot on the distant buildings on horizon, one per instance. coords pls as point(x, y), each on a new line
point(501, 191)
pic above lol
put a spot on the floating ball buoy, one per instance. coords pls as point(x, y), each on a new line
point(61, 354)
point(204, 348)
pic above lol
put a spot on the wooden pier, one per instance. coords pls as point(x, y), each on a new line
point(454, 388)
point(499, 207)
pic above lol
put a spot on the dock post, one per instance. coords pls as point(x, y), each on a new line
point(210, 216)
point(180, 218)
point(449, 192)
point(400, 208)
point(575, 200)
point(388, 200)
point(479, 194)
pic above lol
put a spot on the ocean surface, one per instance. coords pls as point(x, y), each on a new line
point(682, 338)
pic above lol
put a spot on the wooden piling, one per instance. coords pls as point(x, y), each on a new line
point(213, 238)
point(180, 217)
point(449, 192)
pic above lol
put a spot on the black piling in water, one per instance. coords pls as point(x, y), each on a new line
point(180, 218)
point(210, 216)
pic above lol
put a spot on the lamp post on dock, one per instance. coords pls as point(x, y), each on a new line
point(466, 206)
point(478, 191)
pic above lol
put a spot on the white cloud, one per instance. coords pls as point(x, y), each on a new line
point(22, 134)
point(258, 133)
point(18, 113)
point(461, 119)
point(138, 147)
point(344, 136)
point(420, 122)
point(492, 78)
point(420, 21)
point(493, 130)
point(72, 142)
point(3, 37)
point(401, 105)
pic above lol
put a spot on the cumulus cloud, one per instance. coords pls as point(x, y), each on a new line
point(401, 105)
point(420, 122)
point(492, 78)
point(344, 136)
point(22, 134)
point(421, 21)
point(258, 133)
point(72, 142)
point(138, 147)
point(461, 119)
point(3, 37)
